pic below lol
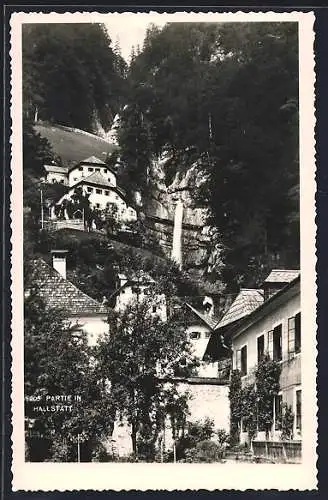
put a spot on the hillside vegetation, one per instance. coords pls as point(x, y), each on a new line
point(73, 146)
point(222, 96)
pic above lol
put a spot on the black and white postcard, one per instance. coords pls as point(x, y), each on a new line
point(163, 251)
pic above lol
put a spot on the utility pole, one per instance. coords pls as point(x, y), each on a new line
point(42, 214)
point(78, 448)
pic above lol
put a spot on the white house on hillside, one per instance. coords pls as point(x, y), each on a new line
point(139, 288)
point(98, 182)
point(83, 312)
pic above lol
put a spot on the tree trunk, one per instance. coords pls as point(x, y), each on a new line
point(134, 437)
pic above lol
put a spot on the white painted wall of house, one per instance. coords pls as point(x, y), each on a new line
point(75, 175)
point(127, 296)
point(94, 326)
point(205, 369)
point(290, 377)
point(53, 177)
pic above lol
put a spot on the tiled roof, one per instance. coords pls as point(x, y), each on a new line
point(246, 301)
point(93, 160)
point(96, 178)
point(282, 275)
point(59, 292)
point(56, 169)
point(205, 318)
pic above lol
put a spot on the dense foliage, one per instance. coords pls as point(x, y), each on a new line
point(139, 358)
point(71, 75)
point(58, 361)
point(251, 403)
point(227, 97)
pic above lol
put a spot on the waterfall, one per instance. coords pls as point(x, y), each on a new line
point(177, 234)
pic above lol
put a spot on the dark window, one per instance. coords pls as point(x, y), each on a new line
point(298, 333)
point(99, 191)
point(194, 335)
point(97, 169)
point(105, 170)
point(89, 189)
point(154, 309)
point(62, 181)
point(243, 360)
point(107, 193)
point(207, 335)
point(90, 169)
point(97, 205)
point(135, 289)
point(244, 426)
point(277, 343)
point(80, 169)
point(299, 409)
point(260, 348)
point(277, 412)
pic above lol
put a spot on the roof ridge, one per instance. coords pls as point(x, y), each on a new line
point(68, 281)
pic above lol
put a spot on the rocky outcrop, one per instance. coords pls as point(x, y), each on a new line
point(159, 210)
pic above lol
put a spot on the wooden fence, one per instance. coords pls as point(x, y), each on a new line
point(278, 451)
point(64, 224)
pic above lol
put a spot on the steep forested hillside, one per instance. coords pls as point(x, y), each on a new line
point(223, 97)
point(72, 75)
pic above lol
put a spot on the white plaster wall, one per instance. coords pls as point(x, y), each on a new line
point(249, 337)
point(126, 296)
point(76, 174)
point(210, 401)
point(205, 369)
point(57, 177)
point(290, 377)
point(95, 326)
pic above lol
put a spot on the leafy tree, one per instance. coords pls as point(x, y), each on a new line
point(58, 361)
point(71, 74)
point(140, 357)
point(226, 96)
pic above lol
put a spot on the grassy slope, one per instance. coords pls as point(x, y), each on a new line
point(73, 146)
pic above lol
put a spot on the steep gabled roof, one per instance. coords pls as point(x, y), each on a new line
point(97, 179)
point(282, 275)
point(59, 292)
point(210, 321)
point(56, 169)
point(93, 160)
point(246, 302)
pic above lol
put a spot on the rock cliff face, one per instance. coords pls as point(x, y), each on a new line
point(159, 210)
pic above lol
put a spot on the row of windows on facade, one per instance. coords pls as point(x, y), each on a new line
point(100, 191)
point(277, 413)
point(274, 344)
point(92, 169)
point(198, 335)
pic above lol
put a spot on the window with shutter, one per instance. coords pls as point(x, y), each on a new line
point(238, 359)
point(260, 348)
point(270, 344)
point(299, 410)
point(243, 360)
point(298, 333)
point(277, 343)
point(277, 412)
point(291, 337)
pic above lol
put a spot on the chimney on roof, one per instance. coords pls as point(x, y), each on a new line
point(59, 261)
point(208, 305)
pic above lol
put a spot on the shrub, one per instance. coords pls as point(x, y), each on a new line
point(205, 451)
